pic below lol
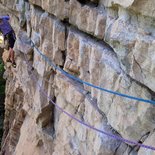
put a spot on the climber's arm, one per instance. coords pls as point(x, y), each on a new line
point(5, 17)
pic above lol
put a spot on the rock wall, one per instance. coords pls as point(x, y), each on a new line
point(2, 97)
point(109, 43)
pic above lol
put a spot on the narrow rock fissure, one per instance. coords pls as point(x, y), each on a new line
point(88, 2)
point(53, 117)
point(2, 97)
point(65, 22)
point(143, 86)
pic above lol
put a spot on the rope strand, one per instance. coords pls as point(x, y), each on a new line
point(90, 84)
point(85, 124)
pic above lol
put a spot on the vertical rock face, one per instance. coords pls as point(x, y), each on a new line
point(109, 43)
point(2, 97)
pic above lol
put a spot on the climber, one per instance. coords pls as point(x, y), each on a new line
point(8, 34)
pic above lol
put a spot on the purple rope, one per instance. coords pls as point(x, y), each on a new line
point(85, 124)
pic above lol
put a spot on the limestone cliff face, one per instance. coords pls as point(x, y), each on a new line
point(109, 43)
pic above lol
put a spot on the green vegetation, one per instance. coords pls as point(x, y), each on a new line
point(2, 81)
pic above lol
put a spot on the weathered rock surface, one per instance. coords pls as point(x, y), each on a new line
point(109, 43)
point(149, 141)
point(110, 3)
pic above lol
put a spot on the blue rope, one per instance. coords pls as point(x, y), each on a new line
point(85, 124)
point(89, 84)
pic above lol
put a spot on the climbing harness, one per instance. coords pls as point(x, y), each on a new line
point(89, 84)
point(82, 122)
